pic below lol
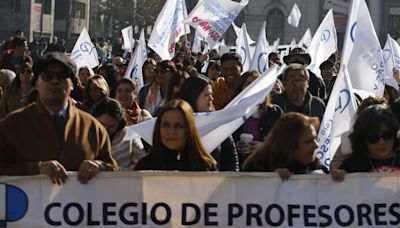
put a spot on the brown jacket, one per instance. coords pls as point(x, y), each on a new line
point(29, 135)
point(222, 93)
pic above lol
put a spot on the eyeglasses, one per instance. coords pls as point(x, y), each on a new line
point(375, 138)
point(27, 71)
point(48, 76)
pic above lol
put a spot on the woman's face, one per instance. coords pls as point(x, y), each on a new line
point(109, 122)
point(149, 72)
point(163, 76)
point(172, 130)
point(204, 102)
point(25, 75)
point(125, 95)
point(306, 146)
point(95, 93)
point(380, 144)
point(84, 74)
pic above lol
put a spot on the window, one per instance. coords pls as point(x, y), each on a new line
point(275, 24)
point(78, 10)
point(47, 6)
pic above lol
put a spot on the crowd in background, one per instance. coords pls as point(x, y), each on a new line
point(280, 136)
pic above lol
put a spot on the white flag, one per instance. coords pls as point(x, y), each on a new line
point(259, 61)
point(212, 18)
point(169, 27)
point(391, 57)
point(196, 47)
point(84, 52)
point(243, 48)
point(293, 43)
point(324, 43)
point(127, 37)
point(215, 127)
point(294, 16)
point(338, 117)
point(305, 40)
point(134, 70)
point(237, 31)
point(275, 45)
point(367, 66)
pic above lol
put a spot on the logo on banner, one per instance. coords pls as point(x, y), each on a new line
point(262, 63)
point(243, 50)
point(352, 30)
point(15, 205)
point(325, 35)
point(343, 101)
point(386, 55)
point(86, 47)
point(134, 71)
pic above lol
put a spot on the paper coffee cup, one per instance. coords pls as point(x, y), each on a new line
point(246, 138)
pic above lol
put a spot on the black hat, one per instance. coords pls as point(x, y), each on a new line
point(40, 65)
point(298, 52)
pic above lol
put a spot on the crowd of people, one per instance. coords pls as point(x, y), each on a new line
point(55, 118)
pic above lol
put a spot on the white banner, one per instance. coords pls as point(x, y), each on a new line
point(324, 43)
point(294, 16)
point(259, 61)
point(169, 27)
point(127, 37)
point(215, 127)
point(188, 199)
point(134, 70)
point(367, 69)
point(391, 57)
point(212, 18)
point(84, 52)
point(243, 48)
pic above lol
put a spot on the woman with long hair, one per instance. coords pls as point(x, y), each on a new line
point(374, 143)
point(197, 91)
point(289, 148)
point(15, 96)
point(176, 142)
point(95, 91)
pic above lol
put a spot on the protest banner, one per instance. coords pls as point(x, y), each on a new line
point(391, 57)
point(259, 61)
point(237, 30)
point(168, 28)
point(294, 16)
point(305, 41)
point(84, 52)
point(243, 48)
point(127, 38)
point(198, 199)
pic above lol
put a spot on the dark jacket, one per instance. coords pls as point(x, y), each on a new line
point(313, 106)
point(226, 155)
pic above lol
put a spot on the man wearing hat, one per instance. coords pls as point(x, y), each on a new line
point(316, 85)
point(52, 136)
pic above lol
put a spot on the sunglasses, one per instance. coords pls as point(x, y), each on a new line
point(48, 76)
point(23, 71)
point(385, 136)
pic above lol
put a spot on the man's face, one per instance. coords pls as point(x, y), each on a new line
point(296, 85)
point(231, 72)
point(54, 85)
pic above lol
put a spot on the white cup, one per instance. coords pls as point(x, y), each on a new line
point(246, 138)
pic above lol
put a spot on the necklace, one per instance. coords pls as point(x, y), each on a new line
point(391, 168)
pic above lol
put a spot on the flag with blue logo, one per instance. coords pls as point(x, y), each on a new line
point(366, 65)
point(243, 48)
point(324, 43)
point(391, 57)
point(259, 61)
point(84, 52)
point(134, 70)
